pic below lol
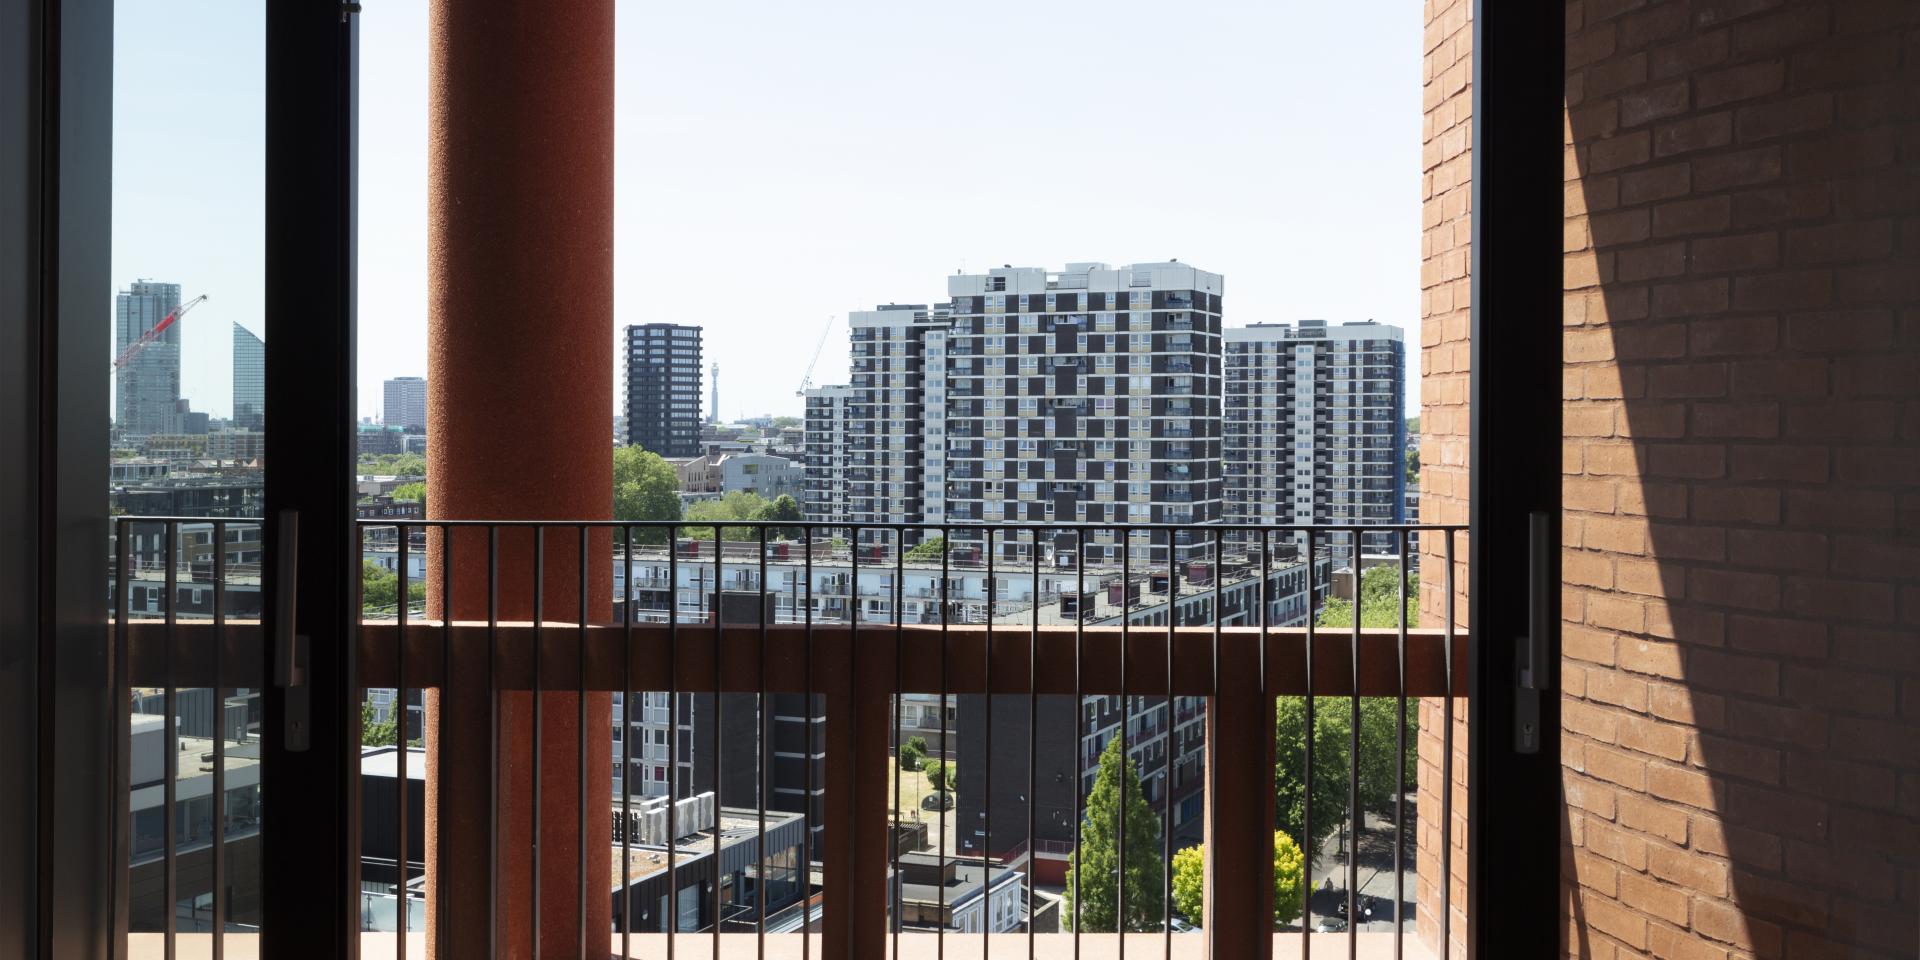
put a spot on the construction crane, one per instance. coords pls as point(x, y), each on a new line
point(807, 381)
point(159, 329)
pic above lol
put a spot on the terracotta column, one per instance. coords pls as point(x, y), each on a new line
point(520, 300)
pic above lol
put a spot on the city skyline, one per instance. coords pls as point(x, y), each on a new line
point(1309, 202)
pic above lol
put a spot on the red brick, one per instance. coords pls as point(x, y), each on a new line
point(1751, 420)
point(1778, 724)
point(1596, 873)
point(1854, 509)
point(1750, 251)
point(1653, 738)
point(1728, 758)
point(1840, 242)
point(1743, 82)
point(1654, 183)
point(1688, 461)
point(1845, 62)
point(1607, 686)
point(1803, 464)
point(1690, 55)
point(1650, 499)
point(1727, 924)
point(1616, 613)
point(1620, 150)
point(1653, 103)
point(1691, 870)
point(1590, 721)
point(1683, 705)
point(1678, 541)
point(1740, 335)
point(1877, 557)
point(1781, 118)
point(1621, 227)
point(1778, 549)
point(1840, 599)
point(1733, 672)
point(1654, 899)
point(1667, 943)
point(1785, 204)
point(1680, 217)
point(1841, 780)
point(1848, 871)
point(1651, 817)
point(1876, 741)
point(1688, 380)
point(1776, 899)
point(1712, 835)
point(1617, 845)
point(1780, 378)
point(1652, 262)
point(1752, 591)
point(1793, 26)
point(1651, 657)
point(1583, 346)
point(1877, 465)
point(1591, 496)
point(1885, 375)
point(1745, 168)
point(1736, 505)
point(1779, 636)
point(1615, 921)
point(1593, 646)
point(1776, 810)
point(1691, 298)
point(1648, 579)
point(1842, 152)
point(1681, 786)
point(1871, 420)
point(1615, 74)
point(1841, 691)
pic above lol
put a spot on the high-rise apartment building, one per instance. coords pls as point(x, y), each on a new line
point(663, 388)
point(1315, 428)
point(824, 453)
point(405, 403)
point(895, 426)
point(147, 387)
point(249, 380)
point(1089, 395)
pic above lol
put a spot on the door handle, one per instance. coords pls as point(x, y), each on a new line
point(1533, 667)
point(289, 647)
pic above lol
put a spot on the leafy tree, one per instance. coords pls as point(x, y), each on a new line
point(394, 464)
point(1097, 860)
point(783, 509)
point(1413, 465)
point(411, 491)
point(1289, 874)
point(939, 775)
point(376, 733)
point(913, 753)
point(379, 587)
point(781, 423)
point(929, 549)
point(645, 487)
point(738, 505)
point(1379, 596)
point(1332, 759)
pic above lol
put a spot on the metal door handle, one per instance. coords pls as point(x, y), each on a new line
point(1533, 667)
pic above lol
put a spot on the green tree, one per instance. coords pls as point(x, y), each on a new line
point(1096, 862)
point(1289, 874)
point(411, 491)
point(913, 753)
point(781, 423)
point(939, 775)
point(739, 505)
point(394, 464)
point(783, 509)
point(379, 587)
point(1413, 465)
point(376, 733)
point(645, 487)
point(1379, 596)
point(929, 549)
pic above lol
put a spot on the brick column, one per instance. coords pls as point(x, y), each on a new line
point(1446, 210)
point(520, 390)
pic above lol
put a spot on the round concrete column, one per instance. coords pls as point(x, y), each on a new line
point(520, 392)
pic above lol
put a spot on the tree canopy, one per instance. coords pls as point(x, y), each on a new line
point(929, 549)
point(416, 490)
point(1289, 874)
point(1097, 860)
point(393, 464)
point(379, 586)
point(645, 487)
point(1379, 593)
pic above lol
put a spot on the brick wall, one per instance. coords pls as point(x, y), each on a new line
point(1446, 206)
point(1742, 478)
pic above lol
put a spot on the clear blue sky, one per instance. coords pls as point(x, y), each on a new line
point(804, 160)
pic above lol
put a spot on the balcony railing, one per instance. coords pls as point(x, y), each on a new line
point(847, 672)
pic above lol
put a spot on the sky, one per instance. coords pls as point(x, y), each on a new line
point(806, 160)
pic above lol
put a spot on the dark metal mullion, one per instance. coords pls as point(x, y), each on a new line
point(1356, 816)
point(219, 798)
point(1400, 765)
point(170, 763)
point(121, 751)
point(806, 815)
point(628, 612)
point(533, 821)
point(493, 751)
point(940, 848)
point(672, 920)
point(986, 789)
point(441, 888)
point(764, 715)
point(1079, 713)
point(1306, 817)
point(1265, 592)
point(1166, 787)
point(899, 667)
point(1446, 767)
point(580, 705)
point(1126, 621)
point(1033, 736)
point(719, 739)
point(400, 739)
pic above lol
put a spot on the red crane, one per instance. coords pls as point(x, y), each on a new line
point(133, 349)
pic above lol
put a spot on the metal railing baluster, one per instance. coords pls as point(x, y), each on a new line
point(940, 852)
point(493, 746)
point(672, 920)
point(761, 762)
point(534, 822)
point(1079, 715)
point(401, 859)
point(219, 797)
point(629, 610)
point(1306, 817)
point(1033, 732)
point(806, 816)
point(715, 608)
point(986, 765)
point(1446, 770)
point(444, 908)
point(120, 753)
point(1125, 537)
point(580, 758)
point(1357, 816)
point(1166, 786)
point(899, 668)
point(170, 764)
point(1400, 765)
